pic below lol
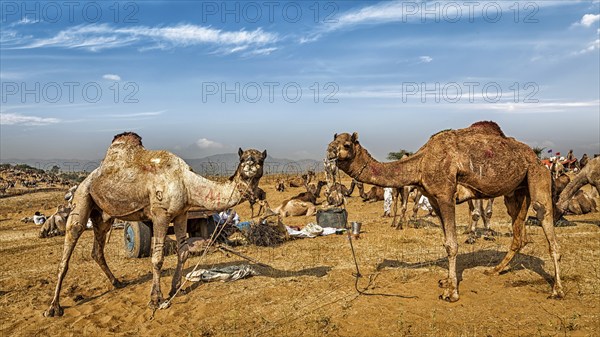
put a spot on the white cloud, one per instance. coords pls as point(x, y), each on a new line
point(111, 77)
point(204, 143)
point(19, 119)
point(594, 45)
point(425, 59)
point(588, 19)
point(103, 36)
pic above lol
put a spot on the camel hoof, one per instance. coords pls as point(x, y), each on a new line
point(471, 240)
point(443, 283)
point(118, 284)
point(557, 295)
point(54, 311)
point(449, 296)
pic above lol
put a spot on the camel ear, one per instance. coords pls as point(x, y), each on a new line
point(240, 152)
point(334, 136)
point(355, 137)
point(264, 154)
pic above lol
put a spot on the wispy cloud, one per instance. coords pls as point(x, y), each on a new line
point(111, 77)
point(9, 118)
point(205, 143)
point(594, 45)
point(425, 59)
point(136, 114)
point(96, 37)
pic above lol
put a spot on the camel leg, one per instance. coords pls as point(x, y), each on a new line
point(446, 214)
point(101, 228)
point(75, 226)
point(180, 225)
point(517, 205)
point(475, 211)
point(487, 216)
point(161, 224)
point(418, 195)
point(403, 193)
point(399, 225)
point(541, 197)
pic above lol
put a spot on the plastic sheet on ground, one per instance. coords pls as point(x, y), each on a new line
point(224, 274)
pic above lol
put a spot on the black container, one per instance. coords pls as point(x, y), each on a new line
point(332, 217)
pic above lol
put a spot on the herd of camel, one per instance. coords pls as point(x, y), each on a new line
point(454, 166)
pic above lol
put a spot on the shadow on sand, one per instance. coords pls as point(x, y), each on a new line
point(483, 258)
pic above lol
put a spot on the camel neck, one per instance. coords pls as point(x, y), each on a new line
point(211, 195)
point(366, 169)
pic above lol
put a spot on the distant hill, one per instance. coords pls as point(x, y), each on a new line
point(219, 164)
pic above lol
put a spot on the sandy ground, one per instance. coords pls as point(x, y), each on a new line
point(309, 288)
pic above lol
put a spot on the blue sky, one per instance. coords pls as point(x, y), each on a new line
point(200, 78)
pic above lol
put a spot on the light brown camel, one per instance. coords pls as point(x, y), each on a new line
point(590, 174)
point(455, 166)
point(295, 207)
point(302, 180)
point(135, 184)
point(374, 194)
point(55, 224)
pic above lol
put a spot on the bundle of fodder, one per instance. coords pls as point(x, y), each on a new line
point(265, 233)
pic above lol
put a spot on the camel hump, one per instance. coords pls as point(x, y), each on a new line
point(489, 126)
point(128, 137)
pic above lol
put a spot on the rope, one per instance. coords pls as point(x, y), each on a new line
point(358, 275)
point(211, 241)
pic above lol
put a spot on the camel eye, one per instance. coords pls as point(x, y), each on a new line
point(346, 146)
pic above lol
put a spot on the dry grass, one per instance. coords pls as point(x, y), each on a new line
point(308, 286)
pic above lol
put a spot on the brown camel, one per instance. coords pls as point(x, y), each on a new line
point(590, 174)
point(260, 198)
point(374, 194)
point(305, 179)
point(455, 166)
point(280, 185)
point(584, 160)
point(295, 207)
point(136, 184)
point(477, 211)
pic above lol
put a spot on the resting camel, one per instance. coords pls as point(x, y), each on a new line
point(374, 194)
point(280, 185)
point(302, 203)
point(455, 166)
point(135, 184)
point(55, 224)
point(590, 174)
point(302, 180)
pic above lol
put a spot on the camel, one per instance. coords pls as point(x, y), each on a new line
point(55, 224)
point(295, 207)
point(374, 194)
point(583, 161)
point(590, 174)
point(302, 203)
point(477, 211)
point(455, 166)
point(135, 184)
point(260, 197)
point(280, 185)
point(302, 180)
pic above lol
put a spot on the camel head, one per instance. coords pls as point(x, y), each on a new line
point(251, 163)
point(343, 147)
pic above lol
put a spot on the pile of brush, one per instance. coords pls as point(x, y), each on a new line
point(266, 233)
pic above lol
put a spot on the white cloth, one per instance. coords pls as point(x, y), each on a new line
point(387, 199)
point(39, 219)
point(229, 273)
point(424, 203)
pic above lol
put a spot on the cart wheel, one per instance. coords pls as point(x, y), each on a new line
point(138, 238)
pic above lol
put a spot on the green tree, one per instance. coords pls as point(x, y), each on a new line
point(54, 169)
point(398, 155)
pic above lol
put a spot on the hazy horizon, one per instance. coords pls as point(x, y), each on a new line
point(203, 78)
